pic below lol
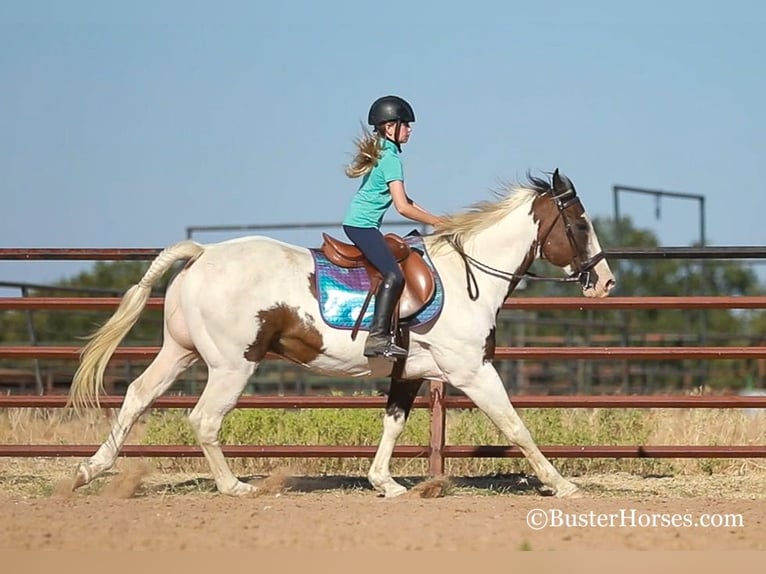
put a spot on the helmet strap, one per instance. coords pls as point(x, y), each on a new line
point(395, 139)
point(397, 131)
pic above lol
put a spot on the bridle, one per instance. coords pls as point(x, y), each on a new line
point(581, 270)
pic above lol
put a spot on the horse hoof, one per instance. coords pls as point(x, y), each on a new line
point(394, 491)
point(81, 477)
point(569, 491)
point(240, 489)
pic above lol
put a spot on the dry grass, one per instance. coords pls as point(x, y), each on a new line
point(46, 477)
point(60, 426)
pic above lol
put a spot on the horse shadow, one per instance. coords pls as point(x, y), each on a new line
point(511, 483)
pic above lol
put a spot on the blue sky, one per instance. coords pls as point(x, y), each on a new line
point(123, 123)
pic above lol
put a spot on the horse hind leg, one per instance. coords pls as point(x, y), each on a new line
point(170, 362)
point(401, 395)
point(223, 388)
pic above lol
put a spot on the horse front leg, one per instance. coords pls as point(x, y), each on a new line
point(486, 390)
point(401, 395)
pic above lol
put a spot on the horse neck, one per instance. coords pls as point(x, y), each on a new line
point(506, 246)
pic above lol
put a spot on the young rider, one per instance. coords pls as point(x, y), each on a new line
point(379, 164)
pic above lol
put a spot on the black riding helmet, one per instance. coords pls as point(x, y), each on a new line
point(391, 109)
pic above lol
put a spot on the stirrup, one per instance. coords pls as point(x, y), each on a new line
point(380, 347)
point(394, 351)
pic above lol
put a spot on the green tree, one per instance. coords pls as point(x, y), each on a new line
point(50, 328)
point(106, 279)
point(655, 277)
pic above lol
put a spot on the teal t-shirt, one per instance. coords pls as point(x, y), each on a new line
point(373, 199)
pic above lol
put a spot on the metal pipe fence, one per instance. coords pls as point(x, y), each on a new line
point(436, 402)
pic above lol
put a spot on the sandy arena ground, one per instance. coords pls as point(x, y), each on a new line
point(128, 511)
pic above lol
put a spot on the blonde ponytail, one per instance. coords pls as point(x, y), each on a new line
point(368, 152)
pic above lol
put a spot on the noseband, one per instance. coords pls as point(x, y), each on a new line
point(581, 270)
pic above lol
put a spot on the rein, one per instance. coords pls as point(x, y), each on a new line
point(470, 278)
point(581, 274)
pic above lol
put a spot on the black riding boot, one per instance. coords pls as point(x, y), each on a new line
point(380, 341)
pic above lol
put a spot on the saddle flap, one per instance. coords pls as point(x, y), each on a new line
point(419, 285)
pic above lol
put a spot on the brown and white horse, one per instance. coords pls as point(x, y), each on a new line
point(237, 300)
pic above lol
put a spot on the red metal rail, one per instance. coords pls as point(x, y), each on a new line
point(526, 303)
point(436, 451)
point(547, 353)
point(109, 253)
point(349, 402)
point(300, 451)
point(76, 254)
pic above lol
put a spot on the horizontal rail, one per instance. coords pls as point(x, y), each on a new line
point(681, 252)
point(654, 303)
point(286, 451)
point(77, 254)
point(69, 303)
point(455, 451)
point(607, 451)
point(25, 287)
point(525, 303)
point(530, 353)
point(25, 352)
point(108, 253)
point(639, 353)
point(360, 402)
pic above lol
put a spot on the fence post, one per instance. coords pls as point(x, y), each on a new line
point(39, 388)
point(438, 427)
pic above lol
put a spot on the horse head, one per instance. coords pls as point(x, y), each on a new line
point(566, 237)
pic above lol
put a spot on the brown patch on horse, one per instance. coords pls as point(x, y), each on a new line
point(489, 346)
point(284, 332)
point(313, 285)
point(529, 258)
point(551, 233)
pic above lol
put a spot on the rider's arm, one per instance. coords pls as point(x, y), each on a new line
point(408, 208)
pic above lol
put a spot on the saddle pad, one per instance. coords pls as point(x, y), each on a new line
point(342, 291)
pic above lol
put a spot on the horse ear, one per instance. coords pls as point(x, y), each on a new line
point(561, 183)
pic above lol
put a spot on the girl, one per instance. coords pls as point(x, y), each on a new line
point(378, 163)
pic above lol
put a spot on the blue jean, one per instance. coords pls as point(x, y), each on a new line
point(370, 241)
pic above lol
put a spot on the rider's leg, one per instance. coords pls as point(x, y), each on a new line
point(371, 242)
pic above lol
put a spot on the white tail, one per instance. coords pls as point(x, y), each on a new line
point(89, 379)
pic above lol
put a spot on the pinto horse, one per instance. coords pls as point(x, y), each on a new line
point(237, 300)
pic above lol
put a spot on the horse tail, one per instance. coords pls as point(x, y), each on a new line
point(88, 381)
